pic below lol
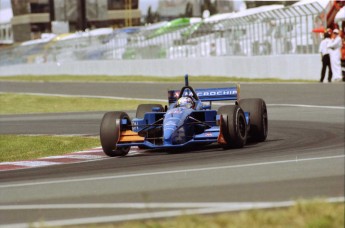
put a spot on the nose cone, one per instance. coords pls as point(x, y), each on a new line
point(170, 127)
point(173, 130)
point(174, 135)
point(168, 135)
point(171, 123)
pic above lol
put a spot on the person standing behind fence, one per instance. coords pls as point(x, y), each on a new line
point(326, 61)
point(335, 45)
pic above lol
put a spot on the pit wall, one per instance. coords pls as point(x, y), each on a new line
point(306, 67)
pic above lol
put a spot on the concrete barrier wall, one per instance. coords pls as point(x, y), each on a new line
point(284, 67)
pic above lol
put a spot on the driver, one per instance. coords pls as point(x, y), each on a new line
point(186, 102)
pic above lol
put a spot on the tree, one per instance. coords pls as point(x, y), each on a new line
point(189, 10)
point(253, 4)
point(149, 16)
point(209, 6)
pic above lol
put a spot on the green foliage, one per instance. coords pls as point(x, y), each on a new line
point(171, 26)
point(152, 17)
point(208, 5)
point(188, 11)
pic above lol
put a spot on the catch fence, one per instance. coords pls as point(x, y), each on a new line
point(279, 31)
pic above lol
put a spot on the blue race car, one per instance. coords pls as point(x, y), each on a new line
point(186, 122)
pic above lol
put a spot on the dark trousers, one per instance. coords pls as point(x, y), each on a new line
point(326, 62)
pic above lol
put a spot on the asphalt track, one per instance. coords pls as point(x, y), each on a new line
point(303, 157)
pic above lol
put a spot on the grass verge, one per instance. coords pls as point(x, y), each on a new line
point(14, 147)
point(25, 104)
point(314, 213)
point(103, 78)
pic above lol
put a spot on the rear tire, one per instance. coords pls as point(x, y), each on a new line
point(258, 118)
point(144, 108)
point(110, 132)
point(234, 127)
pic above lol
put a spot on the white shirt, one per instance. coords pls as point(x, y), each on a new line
point(335, 44)
point(334, 52)
point(323, 49)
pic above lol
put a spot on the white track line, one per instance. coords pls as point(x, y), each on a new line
point(31, 163)
point(76, 156)
point(308, 106)
point(164, 100)
point(233, 205)
point(164, 214)
point(168, 172)
point(83, 156)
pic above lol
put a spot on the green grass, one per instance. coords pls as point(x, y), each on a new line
point(103, 78)
point(305, 214)
point(24, 104)
point(14, 147)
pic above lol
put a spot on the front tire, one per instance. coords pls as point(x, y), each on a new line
point(110, 132)
point(258, 118)
point(234, 127)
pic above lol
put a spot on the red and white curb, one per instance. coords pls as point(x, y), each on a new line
point(75, 157)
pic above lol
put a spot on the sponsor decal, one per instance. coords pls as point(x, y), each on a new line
point(208, 92)
point(217, 93)
point(170, 123)
point(212, 93)
point(175, 111)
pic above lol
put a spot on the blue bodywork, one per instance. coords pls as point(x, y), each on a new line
point(179, 127)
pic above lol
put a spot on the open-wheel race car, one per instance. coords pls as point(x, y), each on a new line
point(187, 122)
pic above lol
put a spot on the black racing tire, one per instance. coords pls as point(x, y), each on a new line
point(258, 118)
point(110, 133)
point(144, 108)
point(234, 127)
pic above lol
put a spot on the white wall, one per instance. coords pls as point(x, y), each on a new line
point(284, 67)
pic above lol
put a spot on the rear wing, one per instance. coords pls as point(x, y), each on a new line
point(209, 94)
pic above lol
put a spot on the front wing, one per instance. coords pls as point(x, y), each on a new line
point(210, 135)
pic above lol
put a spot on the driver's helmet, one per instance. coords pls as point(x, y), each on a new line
point(185, 102)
